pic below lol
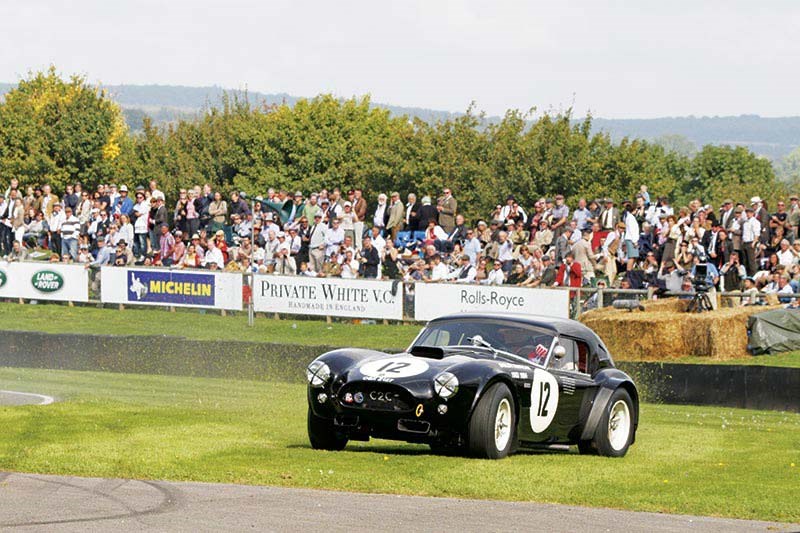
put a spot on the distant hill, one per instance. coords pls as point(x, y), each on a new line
point(771, 137)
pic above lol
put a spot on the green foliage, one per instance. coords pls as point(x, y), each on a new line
point(62, 131)
point(718, 172)
point(59, 132)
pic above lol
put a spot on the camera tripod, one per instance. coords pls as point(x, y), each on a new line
point(700, 302)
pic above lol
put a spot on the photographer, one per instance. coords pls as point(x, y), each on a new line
point(732, 272)
point(705, 277)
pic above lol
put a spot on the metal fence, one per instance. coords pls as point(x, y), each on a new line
point(366, 299)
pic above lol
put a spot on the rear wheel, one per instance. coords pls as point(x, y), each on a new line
point(492, 429)
point(323, 434)
point(615, 430)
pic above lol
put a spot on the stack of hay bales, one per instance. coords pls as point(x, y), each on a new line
point(664, 330)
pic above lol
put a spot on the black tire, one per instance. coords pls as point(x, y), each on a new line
point(482, 441)
point(323, 435)
point(601, 442)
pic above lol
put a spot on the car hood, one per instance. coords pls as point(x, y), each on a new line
point(403, 367)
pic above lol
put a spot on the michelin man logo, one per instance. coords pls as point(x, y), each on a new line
point(138, 288)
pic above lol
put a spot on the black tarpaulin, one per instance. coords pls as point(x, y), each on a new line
point(774, 331)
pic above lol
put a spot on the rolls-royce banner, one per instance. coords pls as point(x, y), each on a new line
point(40, 280)
point(328, 297)
point(183, 288)
point(432, 300)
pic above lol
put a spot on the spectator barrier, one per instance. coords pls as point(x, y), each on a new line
point(298, 295)
point(165, 287)
point(44, 281)
point(432, 300)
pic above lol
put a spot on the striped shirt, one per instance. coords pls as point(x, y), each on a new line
point(70, 227)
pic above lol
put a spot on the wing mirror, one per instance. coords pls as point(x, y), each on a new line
point(559, 351)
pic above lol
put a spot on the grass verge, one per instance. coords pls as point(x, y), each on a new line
point(695, 460)
point(191, 323)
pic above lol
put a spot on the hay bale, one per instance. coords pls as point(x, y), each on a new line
point(674, 305)
point(662, 333)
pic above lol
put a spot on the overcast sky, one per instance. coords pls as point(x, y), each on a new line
point(618, 59)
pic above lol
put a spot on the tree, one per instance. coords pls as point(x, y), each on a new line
point(59, 132)
point(718, 172)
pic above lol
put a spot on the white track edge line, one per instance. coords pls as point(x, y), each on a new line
point(46, 400)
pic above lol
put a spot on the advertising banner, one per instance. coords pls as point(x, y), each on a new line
point(432, 300)
point(166, 287)
point(299, 295)
point(36, 280)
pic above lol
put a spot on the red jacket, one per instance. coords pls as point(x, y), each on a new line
point(575, 275)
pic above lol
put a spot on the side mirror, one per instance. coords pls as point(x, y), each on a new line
point(559, 351)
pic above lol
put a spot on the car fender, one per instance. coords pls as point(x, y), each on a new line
point(479, 376)
point(609, 380)
point(343, 359)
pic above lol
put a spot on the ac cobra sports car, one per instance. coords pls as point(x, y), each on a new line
point(478, 384)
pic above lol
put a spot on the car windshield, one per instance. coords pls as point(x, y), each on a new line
point(519, 339)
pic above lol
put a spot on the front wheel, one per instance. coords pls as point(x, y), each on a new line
point(615, 431)
point(492, 429)
point(323, 434)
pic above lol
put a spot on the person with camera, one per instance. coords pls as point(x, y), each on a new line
point(732, 273)
point(705, 278)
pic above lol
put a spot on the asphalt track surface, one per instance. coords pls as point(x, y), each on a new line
point(54, 503)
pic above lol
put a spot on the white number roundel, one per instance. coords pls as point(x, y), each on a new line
point(394, 367)
point(544, 400)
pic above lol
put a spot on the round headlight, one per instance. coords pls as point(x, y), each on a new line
point(318, 373)
point(445, 385)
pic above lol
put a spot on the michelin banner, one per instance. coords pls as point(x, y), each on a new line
point(298, 295)
point(432, 300)
point(166, 287)
point(44, 281)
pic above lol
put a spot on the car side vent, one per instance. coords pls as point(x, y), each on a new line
point(431, 352)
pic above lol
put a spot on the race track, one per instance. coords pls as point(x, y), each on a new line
point(54, 503)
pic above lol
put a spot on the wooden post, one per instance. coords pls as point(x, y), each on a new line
point(121, 307)
point(223, 312)
point(328, 320)
point(276, 316)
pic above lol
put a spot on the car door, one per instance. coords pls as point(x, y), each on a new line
point(557, 396)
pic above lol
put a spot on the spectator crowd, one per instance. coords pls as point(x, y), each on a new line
point(641, 242)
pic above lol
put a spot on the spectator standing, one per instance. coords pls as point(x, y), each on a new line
point(395, 222)
point(218, 211)
point(426, 213)
point(370, 259)
point(412, 214)
point(560, 217)
point(447, 207)
point(166, 247)
point(70, 229)
point(631, 237)
point(141, 211)
point(751, 230)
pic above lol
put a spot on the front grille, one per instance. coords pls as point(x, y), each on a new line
point(375, 396)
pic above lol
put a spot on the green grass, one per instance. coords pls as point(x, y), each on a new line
point(191, 323)
point(695, 460)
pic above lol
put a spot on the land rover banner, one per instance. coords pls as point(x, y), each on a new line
point(168, 287)
point(432, 300)
point(328, 297)
point(37, 280)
